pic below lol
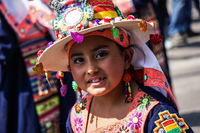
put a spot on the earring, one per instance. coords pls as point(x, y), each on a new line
point(80, 105)
point(128, 94)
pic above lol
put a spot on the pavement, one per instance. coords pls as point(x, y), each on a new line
point(184, 65)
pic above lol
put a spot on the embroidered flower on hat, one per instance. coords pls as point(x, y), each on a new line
point(71, 15)
point(143, 25)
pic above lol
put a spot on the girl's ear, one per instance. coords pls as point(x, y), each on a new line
point(69, 68)
point(128, 55)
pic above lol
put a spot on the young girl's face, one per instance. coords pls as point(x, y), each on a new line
point(97, 65)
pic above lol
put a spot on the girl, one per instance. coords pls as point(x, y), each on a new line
point(108, 58)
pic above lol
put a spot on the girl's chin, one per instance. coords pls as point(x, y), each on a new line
point(97, 91)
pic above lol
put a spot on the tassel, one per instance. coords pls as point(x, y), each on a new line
point(74, 86)
point(63, 90)
point(155, 39)
point(38, 69)
point(115, 32)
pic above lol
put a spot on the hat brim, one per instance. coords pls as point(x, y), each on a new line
point(54, 58)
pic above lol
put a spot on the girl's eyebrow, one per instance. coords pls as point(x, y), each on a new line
point(76, 54)
point(97, 48)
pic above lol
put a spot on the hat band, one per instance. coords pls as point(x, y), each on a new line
point(121, 40)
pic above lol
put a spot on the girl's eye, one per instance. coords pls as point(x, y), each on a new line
point(101, 54)
point(78, 60)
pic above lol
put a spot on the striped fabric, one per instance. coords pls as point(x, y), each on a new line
point(45, 92)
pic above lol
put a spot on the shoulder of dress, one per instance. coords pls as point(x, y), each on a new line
point(79, 112)
point(144, 101)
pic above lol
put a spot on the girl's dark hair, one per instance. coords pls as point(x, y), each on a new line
point(130, 46)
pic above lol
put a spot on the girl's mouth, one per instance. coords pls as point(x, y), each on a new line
point(97, 81)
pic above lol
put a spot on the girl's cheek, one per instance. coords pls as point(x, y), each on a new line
point(76, 72)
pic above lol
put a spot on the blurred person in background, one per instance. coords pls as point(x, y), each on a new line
point(180, 23)
point(29, 102)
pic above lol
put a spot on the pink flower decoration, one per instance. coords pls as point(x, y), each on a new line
point(77, 37)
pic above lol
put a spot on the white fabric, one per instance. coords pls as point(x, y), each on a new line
point(144, 58)
point(40, 5)
point(19, 8)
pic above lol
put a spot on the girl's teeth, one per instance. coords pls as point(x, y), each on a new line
point(96, 80)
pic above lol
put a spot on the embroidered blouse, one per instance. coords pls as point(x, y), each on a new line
point(150, 112)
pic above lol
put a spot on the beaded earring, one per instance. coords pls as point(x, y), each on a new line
point(80, 105)
point(63, 89)
point(128, 94)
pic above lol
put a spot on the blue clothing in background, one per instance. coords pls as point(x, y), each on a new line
point(180, 18)
point(66, 102)
point(17, 108)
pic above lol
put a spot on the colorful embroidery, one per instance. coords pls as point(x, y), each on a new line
point(154, 78)
point(78, 124)
point(145, 101)
point(170, 123)
point(80, 106)
point(135, 121)
point(123, 129)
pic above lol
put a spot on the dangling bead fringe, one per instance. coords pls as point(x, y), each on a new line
point(129, 99)
point(60, 75)
point(128, 94)
point(80, 105)
point(63, 89)
point(47, 77)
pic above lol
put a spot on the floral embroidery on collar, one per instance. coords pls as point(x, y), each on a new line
point(123, 129)
point(135, 121)
point(145, 101)
point(78, 122)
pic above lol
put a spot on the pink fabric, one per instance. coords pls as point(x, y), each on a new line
point(33, 16)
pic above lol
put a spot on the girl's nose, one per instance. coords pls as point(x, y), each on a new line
point(92, 71)
point(92, 68)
